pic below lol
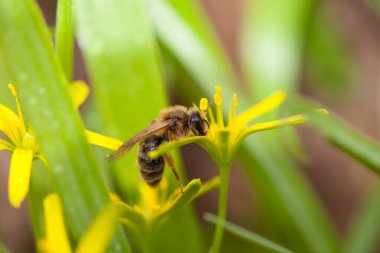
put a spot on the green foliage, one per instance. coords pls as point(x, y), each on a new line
point(250, 236)
point(124, 69)
point(127, 47)
point(30, 60)
point(365, 229)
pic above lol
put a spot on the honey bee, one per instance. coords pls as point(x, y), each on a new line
point(171, 124)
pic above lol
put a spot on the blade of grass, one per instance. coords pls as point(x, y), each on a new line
point(272, 44)
point(345, 137)
point(365, 229)
point(64, 36)
point(328, 60)
point(3, 249)
point(202, 48)
point(40, 187)
point(352, 142)
point(29, 56)
point(247, 235)
point(123, 64)
point(272, 48)
point(285, 191)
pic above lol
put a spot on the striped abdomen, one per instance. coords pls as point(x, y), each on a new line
point(151, 170)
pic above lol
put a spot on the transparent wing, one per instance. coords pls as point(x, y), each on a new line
point(149, 131)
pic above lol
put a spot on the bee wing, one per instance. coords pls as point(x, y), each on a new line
point(149, 131)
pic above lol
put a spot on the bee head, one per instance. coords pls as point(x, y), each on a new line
point(197, 123)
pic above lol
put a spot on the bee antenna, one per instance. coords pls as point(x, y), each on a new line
point(195, 105)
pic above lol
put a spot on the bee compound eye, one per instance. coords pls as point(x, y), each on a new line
point(195, 118)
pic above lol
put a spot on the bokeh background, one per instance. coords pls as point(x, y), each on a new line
point(348, 86)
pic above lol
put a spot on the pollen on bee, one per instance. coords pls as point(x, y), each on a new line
point(203, 104)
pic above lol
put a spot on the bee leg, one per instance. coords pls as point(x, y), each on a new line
point(169, 159)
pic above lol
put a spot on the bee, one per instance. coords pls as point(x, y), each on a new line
point(171, 124)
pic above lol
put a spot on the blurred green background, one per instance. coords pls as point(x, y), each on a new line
point(293, 187)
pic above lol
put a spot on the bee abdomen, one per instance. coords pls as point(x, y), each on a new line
point(151, 170)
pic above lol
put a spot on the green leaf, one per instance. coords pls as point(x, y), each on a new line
point(293, 207)
point(203, 58)
point(328, 60)
point(189, 193)
point(375, 5)
point(3, 249)
point(208, 186)
point(247, 235)
point(123, 64)
point(29, 56)
point(272, 56)
point(64, 36)
point(364, 233)
point(40, 187)
point(124, 70)
point(346, 138)
point(272, 43)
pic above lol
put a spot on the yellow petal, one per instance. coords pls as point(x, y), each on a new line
point(79, 92)
point(6, 145)
point(100, 232)
point(10, 124)
point(19, 175)
point(290, 121)
point(56, 235)
point(102, 141)
point(266, 105)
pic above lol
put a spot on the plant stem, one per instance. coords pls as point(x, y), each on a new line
point(224, 170)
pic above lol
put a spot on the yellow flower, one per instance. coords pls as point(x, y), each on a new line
point(22, 143)
point(155, 205)
point(223, 139)
point(95, 239)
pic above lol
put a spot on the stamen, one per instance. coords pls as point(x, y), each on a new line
point(218, 90)
point(232, 111)
point(203, 104)
point(13, 89)
point(22, 122)
point(218, 99)
point(235, 105)
point(218, 102)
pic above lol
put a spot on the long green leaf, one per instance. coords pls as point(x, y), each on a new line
point(328, 60)
point(2, 248)
point(350, 141)
point(64, 36)
point(290, 200)
point(123, 64)
point(250, 236)
point(274, 37)
point(40, 187)
point(365, 230)
point(272, 44)
point(29, 56)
